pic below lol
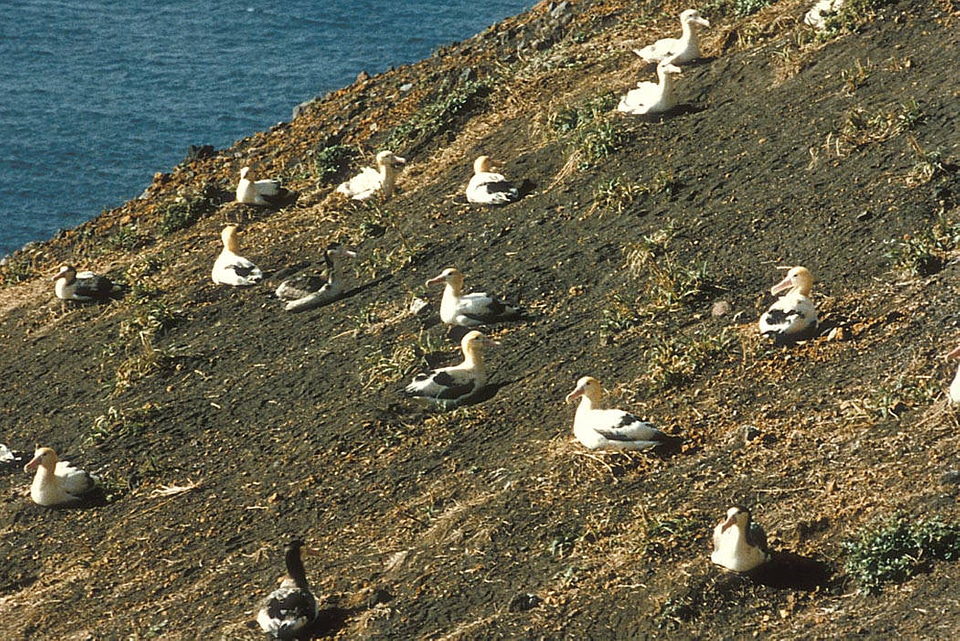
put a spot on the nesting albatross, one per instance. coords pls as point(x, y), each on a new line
point(652, 97)
point(231, 268)
point(739, 544)
point(57, 483)
point(288, 611)
point(793, 315)
point(678, 50)
point(601, 429)
point(487, 187)
point(370, 182)
point(266, 192)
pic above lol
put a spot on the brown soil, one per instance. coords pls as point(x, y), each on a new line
point(223, 426)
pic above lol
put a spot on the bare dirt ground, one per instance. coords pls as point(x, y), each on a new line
point(223, 426)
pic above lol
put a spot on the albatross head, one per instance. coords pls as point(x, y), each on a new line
point(450, 276)
point(336, 250)
point(666, 66)
point(44, 456)
point(67, 272)
point(484, 164)
point(692, 17)
point(739, 516)
point(473, 343)
point(229, 238)
point(389, 159)
point(244, 172)
point(798, 278)
point(588, 387)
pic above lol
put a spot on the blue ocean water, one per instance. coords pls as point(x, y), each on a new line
point(97, 96)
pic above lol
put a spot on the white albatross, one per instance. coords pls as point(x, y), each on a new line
point(458, 382)
point(469, 310)
point(288, 611)
point(370, 182)
point(267, 192)
point(487, 187)
point(307, 291)
point(231, 268)
point(652, 97)
point(793, 314)
point(739, 544)
point(57, 483)
point(678, 50)
point(600, 429)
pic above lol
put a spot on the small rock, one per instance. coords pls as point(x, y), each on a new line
point(406, 87)
point(750, 432)
point(720, 308)
point(417, 305)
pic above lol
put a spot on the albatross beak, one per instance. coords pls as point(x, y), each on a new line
point(729, 522)
point(783, 285)
point(32, 465)
point(574, 394)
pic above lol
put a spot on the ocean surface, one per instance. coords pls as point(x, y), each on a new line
point(97, 96)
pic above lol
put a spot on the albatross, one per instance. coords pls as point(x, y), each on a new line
point(600, 429)
point(231, 268)
point(83, 286)
point(267, 192)
point(678, 50)
point(793, 314)
point(739, 544)
point(652, 97)
point(370, 182)
point(487, 187)
point(458, 382)
point(307, 291)
point(288, 611)
point(469, 310)
point(57, 483)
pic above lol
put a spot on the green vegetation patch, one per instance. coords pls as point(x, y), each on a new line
point(851, 16)
point(896, 551)
point(436, 117)
point(334, 161)
point(185, 211)
point(926, 252)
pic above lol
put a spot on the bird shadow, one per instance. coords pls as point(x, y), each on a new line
point(787, 570)
point(329, 622)
point(669, 446)
point(674, 112)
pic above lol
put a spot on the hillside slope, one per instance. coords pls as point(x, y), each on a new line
point(643, 255)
